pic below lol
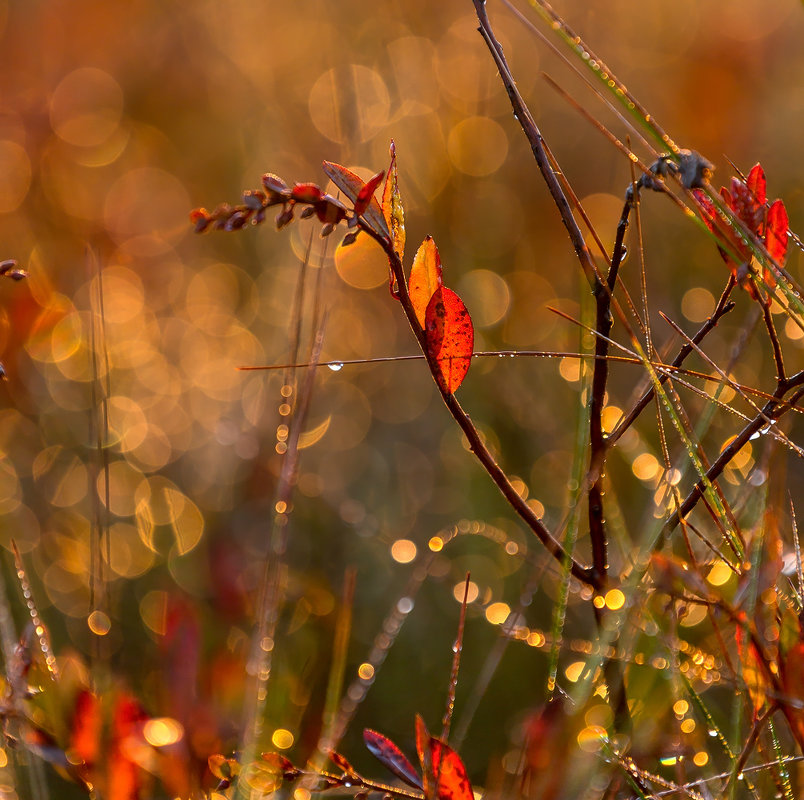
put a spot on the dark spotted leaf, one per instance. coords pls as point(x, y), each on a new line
point(385, 751)
point(450, 772)
point(450, 338)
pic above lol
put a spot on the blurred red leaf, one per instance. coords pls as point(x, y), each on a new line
point(392, 208)
point(793, 682)
point(366, 194)
point(124, 770)
point(85, 728)
point(453, 782)
point(751, 670)
point(450, 338)
point(385, 751)
point(425, 277)
point(351, 185)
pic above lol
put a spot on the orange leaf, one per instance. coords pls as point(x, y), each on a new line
point(450, 338)
point(351, 185)
point(453, 782)
point(392, 208)
point(423, 749)
point(425, 277)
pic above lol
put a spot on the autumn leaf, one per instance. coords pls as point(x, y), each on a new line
point(453, 782)
point(450, 338)
point(757, 184)
point(224, 769)
point(423, 750)
point(85, 728)
point(793, 682)
point(124, 772)
point(392, 208)
point(776, 233)
point(425, 277)
point(751, 670)
point(351, 185)
point(385, 751)
point(366, 194)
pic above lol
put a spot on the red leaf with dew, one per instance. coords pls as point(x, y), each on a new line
point(385, 751)
point(366, 194)
point(453, 782)
point(351, 185)
point(450, 338)
point(757, 184)
point(776, 231)
point(425, 277)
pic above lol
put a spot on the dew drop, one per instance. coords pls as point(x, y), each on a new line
point(335, 367)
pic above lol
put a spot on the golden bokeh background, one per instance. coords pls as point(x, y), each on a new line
point(129, 436)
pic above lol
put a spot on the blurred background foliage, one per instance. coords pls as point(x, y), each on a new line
point(117, 118)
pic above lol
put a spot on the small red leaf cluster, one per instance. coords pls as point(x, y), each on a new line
point(443, 773)
point(315, 201)
point(747, 199)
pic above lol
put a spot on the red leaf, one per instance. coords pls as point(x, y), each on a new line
point(776, 231)
point(341, 762)
point(450, 338)
point(350, 184)
point(793, 682)
point(385, 751)
point(453, 782)
point(366, 194)
point(124, 772)
point(392, 208)
point(306, 193)
point(425, 277)
point(85, 727)
point(423, 750)
point(756, 183)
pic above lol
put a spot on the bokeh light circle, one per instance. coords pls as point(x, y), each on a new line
point(86, 107)
point(349, 104)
